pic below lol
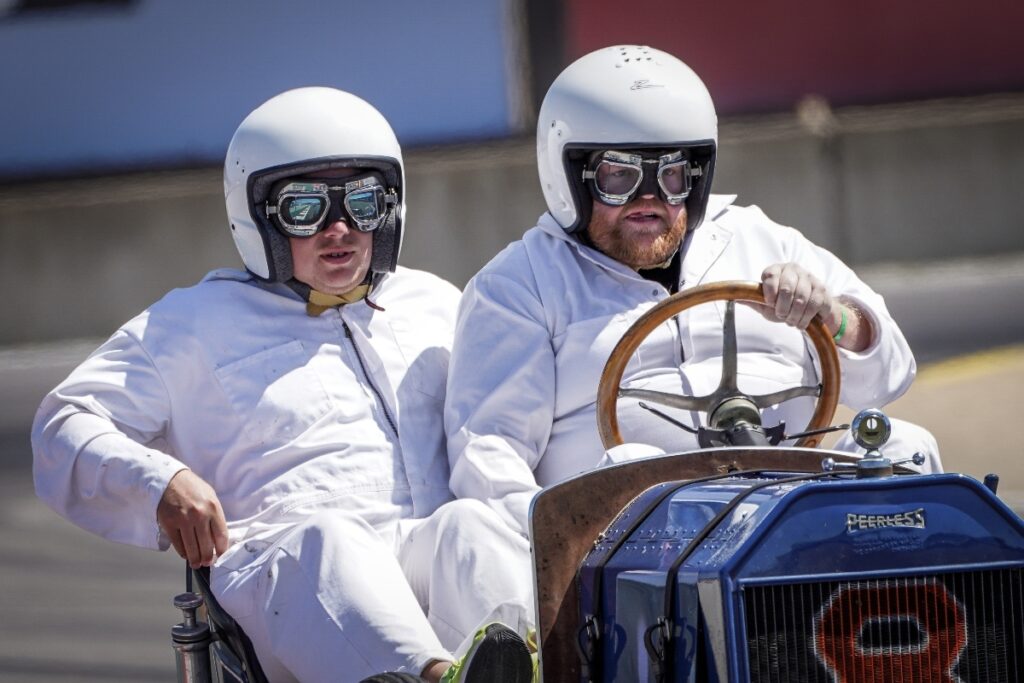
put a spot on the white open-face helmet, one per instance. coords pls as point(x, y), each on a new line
point(300, 132)
point(622, 97)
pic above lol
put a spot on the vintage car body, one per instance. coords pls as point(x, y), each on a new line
point(770, 576)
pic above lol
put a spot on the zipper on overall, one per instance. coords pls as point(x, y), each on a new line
point(369, 380)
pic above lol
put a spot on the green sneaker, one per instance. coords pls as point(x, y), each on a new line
point(531, 646)
point(497, 655)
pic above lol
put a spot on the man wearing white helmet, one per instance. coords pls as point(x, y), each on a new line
point(282, 425)
point(626, 143)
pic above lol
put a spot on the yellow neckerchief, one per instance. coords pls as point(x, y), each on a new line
point(320, 302)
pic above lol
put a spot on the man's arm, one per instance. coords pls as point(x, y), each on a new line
point(500, 399)
point(93, 459)
point(876, 361)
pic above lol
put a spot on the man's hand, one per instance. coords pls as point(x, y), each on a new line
point(794, 296)
point(190, 514)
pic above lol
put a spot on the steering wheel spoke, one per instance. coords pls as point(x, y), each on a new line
point(702, 403)
point(728, 383)
point(767, 400)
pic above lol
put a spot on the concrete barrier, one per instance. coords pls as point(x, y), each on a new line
point(899, 183)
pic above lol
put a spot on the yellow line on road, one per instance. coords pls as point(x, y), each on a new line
point(985, 362)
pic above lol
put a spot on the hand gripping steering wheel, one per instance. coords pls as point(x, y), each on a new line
point(727, 399)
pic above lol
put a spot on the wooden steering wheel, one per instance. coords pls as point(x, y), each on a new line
point(609, 389)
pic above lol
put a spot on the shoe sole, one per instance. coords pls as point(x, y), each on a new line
point(501, 657)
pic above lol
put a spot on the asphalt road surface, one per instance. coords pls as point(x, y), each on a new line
point(77, 608)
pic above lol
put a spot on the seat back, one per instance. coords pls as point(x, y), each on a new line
point(233, 650)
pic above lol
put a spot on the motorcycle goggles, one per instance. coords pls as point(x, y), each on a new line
point(617, 177)
point(303, 208)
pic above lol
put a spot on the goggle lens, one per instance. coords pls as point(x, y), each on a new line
point(616, 179)
point(675, 178)
point(365, 205)
point(303, 211)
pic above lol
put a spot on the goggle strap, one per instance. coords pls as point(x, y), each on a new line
point(694, 170)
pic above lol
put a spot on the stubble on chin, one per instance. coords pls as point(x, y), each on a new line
point(615, 241)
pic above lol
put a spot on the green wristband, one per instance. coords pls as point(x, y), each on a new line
point(842, 326)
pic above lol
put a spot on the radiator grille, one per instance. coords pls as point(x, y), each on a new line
point(965, 627)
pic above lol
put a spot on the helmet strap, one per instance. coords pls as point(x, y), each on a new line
point(300, 288)
point(386, 239)
point(697, 202)
point(580, 195)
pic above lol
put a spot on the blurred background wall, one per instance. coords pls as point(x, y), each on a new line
point(888, 132)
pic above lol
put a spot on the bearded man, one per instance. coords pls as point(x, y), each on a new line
point(626, 144)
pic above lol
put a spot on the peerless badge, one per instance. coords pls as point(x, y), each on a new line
point(911, 519)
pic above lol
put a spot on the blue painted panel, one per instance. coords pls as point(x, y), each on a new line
point(167, 82)
point(908, 538)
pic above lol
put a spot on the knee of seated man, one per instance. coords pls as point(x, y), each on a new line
point(470, 518)
point(913, 438)
point(332, 531)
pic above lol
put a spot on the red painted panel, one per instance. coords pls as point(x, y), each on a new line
point(764, 56)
